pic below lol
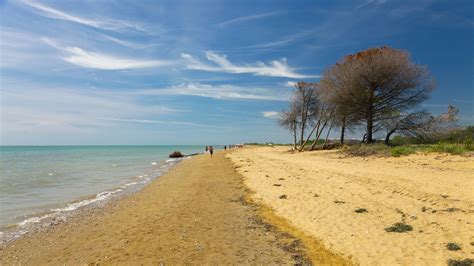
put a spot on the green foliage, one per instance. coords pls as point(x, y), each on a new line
point(450, 148)
point(402, 150)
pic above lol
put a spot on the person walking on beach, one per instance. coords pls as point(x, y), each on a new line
point(207, 148)
point(211, 150)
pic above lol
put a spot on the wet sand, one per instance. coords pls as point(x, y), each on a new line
point(200, 213)
point(348, 202)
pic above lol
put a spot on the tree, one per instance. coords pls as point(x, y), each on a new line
point(422, 125)
point(376, 84)
point(321, 114)
point(413, 125)
point(335, 85)
point(304, 97)
point(289, 119)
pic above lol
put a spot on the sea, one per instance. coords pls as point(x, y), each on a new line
point(39, 183)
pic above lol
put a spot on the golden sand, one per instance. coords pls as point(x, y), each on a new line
point(319, 192)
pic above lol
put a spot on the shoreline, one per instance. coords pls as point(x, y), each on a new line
point(43, 219)
point(195, 213)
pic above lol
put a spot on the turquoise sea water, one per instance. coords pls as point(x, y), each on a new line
point(40, 180)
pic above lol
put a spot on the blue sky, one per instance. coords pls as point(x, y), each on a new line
point(199, 72)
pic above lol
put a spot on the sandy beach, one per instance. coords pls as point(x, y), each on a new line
point(319, 193)
point(197, 213)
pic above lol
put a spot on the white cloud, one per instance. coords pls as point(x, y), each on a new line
point(290, 84)
point(223, 92)
point(80, 57)
point(146, 121)
point(28, 108)
point(105, 24)
point(248, 18)
point(271, 114)
point(276, 68)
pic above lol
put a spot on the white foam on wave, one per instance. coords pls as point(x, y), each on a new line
point(99, 197)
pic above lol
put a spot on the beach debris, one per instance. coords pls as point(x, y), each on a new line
point(361, 210)
point(399, 228)
point(281, 178)
point(267, 176)
point(315, 195)
point(176, 154)
point(423, 209)
point(339, 202)
point(277, 185)
point(453, 246)
point(465, 262)
point(283, 197)
point(444, 196)
point(451, 209)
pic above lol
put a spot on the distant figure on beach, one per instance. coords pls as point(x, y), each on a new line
point(225, 147)
point(207, 148)
point(211, 150)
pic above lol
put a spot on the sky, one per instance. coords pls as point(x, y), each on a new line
point(204, 72)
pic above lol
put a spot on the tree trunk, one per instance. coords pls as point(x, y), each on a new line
point(343, 129)
point(303, 124)
point(309, 136)
point(327, 136)
point(387, 138)
point(294, 139)
point(318, 134)
point(370, 126)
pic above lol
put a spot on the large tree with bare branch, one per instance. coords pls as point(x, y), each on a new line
point(377, 83)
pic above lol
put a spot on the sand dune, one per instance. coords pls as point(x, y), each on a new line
point(319, 192)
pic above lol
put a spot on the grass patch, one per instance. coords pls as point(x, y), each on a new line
point(378, 149)
point(451, 148)
point(453, 246)
point(402, 150)
point(399, 228)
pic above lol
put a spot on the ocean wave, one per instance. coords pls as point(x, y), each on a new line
point(61, 213)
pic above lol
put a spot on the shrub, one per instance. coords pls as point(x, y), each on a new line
point(465, 262)
point(367, 150)
point(176, 154)
point(401, 150)
point(453, 246)
point(399, 228)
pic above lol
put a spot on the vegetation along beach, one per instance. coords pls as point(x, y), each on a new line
point(236, 132)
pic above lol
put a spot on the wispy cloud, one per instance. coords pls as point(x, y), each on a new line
point(370, 2)
point(223, 92)
point(82, 58)
point(124, 43)
point(271, 114)
point(276, 68)
point(285, 40)
point(248, 18)
point(105, 24)
point(146, 121)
